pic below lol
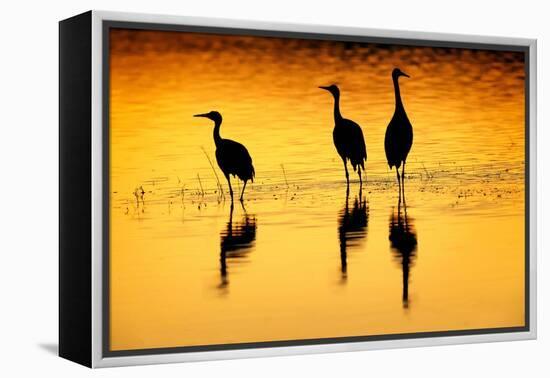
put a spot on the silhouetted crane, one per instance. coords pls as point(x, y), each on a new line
point(348, 138)
point(232, 157)
point(399, 134)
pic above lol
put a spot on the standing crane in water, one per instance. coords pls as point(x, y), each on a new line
point(232, 157)
point(348, 138)
point(399, 134)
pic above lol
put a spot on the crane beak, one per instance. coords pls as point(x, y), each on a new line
point(325, 88)
point(404, 74)
point(201, 115)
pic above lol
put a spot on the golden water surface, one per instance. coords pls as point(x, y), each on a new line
point(300, 260)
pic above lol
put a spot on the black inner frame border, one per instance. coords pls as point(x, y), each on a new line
point(107, 25)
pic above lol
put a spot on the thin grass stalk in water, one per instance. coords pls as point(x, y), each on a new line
point(284, 174)
point(200, 184)
point(220, 188)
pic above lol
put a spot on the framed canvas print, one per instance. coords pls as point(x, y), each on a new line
point(236, 189)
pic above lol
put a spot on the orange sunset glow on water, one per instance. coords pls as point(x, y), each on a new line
point(301, 258)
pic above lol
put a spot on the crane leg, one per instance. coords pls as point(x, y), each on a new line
point(399, 182)
point(403, 181)
point(242, 193)
point(360, 178)
point(347, 173)
point(230, 188)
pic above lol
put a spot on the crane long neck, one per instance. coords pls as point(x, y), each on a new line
point(337, 114)
point(398, 102)
point(217, 137)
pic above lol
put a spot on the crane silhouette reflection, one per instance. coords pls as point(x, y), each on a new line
point(403, 244)
point(236, 241)
point(352, 229)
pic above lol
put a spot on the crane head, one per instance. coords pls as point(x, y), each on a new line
point(332, 89)
point(213, 115)
point(397, 72)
